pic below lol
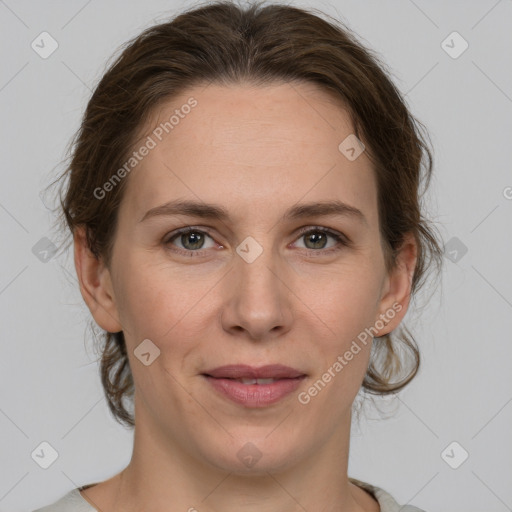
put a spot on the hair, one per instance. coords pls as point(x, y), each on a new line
point(226, 44)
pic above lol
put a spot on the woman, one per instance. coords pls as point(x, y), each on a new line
point(243, 195)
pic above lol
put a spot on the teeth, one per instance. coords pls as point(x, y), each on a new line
point(255, 381)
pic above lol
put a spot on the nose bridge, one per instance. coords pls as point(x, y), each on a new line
point(256, 267)
point(258, 300)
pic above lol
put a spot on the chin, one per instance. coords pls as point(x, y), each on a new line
point(257, 455)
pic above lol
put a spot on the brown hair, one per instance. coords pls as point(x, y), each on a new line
point(227, 44)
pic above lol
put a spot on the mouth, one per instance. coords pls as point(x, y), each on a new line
point(254, 387)
point(248, 373)
point(248, 380)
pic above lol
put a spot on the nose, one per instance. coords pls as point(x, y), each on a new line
point(258, 299)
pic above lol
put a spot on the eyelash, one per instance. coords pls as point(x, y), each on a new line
point(342, 240)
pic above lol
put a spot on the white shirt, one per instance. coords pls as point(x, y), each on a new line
point(73, 501)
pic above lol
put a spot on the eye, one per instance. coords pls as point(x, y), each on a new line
point(316, 238)
point(192, 240)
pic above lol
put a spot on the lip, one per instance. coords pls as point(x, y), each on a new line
point(287, 380)
point(239, 371)
point(254, 395)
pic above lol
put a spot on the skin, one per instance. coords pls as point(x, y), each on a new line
point(256, 151)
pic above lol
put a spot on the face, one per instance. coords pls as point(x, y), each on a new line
point(256, 287)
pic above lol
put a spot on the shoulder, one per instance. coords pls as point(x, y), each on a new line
point(73, 501)
point(386, 502)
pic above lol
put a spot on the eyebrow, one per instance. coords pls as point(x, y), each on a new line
point(217, 212)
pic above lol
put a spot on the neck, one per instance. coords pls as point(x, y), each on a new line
point(164, 475)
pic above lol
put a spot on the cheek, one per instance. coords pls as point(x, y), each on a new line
point(348, 300)
point(159, 302)
point(347, 308)
point(147, 305)
point(343, 353)
point(136, 304)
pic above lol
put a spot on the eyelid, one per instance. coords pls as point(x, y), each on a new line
point(324, 229)
point(188, 229)
point(341, 238)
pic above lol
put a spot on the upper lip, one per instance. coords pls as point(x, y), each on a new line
point(240, 371)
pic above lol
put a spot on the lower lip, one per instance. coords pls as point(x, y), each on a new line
point(255, 395)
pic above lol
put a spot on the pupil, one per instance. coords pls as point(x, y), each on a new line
point(191, 236)
point(317, 236)
point(196, 240)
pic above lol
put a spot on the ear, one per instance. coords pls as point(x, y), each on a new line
point(95, 284)
point(397, 286)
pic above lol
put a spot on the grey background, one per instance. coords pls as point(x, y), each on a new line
point(50, 389)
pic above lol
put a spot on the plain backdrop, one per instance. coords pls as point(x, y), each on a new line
point(446, 445)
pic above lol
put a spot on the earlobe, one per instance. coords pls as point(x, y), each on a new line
point(395, 301)
point(95, 284)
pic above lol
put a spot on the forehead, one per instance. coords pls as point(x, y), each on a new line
point(243, 145)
